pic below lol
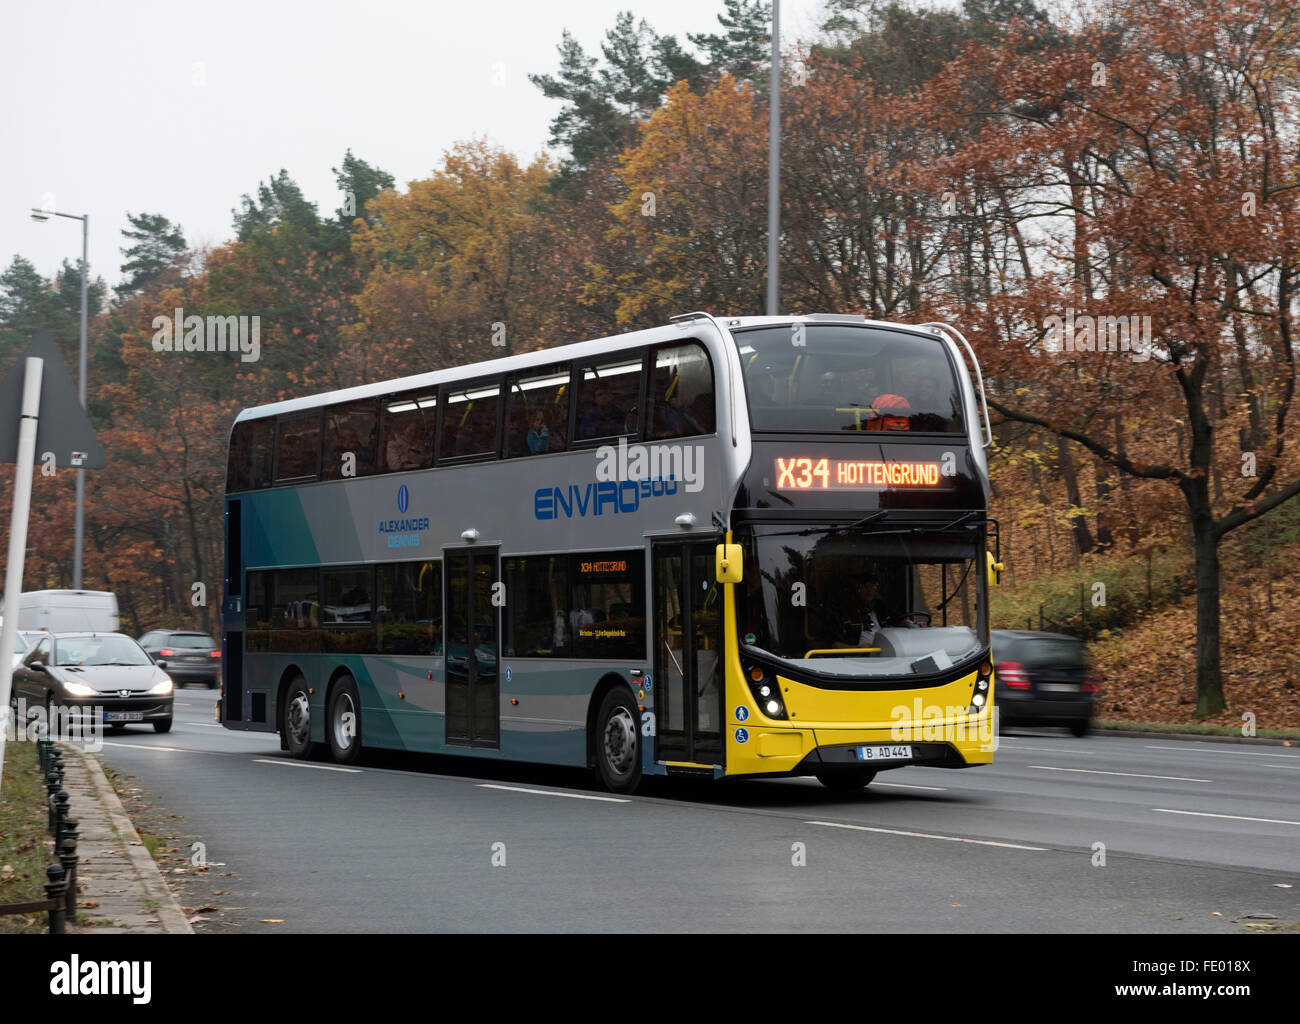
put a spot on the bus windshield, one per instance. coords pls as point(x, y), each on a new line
point(837, 377)
point(895, 601)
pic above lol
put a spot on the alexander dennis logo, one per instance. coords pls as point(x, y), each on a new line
point(403, 533)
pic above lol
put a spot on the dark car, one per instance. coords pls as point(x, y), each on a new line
point(191, 657)
point(1043, 679)
point(104, 674)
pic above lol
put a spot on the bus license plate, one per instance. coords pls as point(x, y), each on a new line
point(885, 753)
point(123, 716)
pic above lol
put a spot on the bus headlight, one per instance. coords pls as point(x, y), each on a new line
point(980, 698)
point(766, 691)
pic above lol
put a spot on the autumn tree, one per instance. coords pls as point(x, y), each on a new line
point(1154, 151)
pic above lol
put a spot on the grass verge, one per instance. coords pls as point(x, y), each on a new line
point(25, 846)
point(1196, 728)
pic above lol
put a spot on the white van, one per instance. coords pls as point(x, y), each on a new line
point(64, 611)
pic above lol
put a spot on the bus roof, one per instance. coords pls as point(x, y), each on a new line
point(576, 350)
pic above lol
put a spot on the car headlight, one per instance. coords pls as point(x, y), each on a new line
point(164, 687)
point(80, 689)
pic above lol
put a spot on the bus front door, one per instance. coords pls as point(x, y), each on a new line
point(473, 712)
point(687, 661)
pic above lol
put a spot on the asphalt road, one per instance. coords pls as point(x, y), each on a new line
point(1197, 838)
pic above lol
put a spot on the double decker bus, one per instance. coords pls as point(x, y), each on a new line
point(723, 548)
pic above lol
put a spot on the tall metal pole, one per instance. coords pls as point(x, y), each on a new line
point(30, 410)
point(81, 396)
point(774, 171)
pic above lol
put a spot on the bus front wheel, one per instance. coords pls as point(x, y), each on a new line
point(846, 780)
point(618, 743)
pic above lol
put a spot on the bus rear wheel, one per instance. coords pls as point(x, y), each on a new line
point(344, 723)
point(846, 780)
point(295, 724)
point(618, 743)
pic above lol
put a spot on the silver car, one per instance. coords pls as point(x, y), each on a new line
point(100, 674)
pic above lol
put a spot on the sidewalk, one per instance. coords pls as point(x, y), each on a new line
point(114, 870)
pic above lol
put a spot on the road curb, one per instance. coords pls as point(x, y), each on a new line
point(158, 896)
point(1143, 734)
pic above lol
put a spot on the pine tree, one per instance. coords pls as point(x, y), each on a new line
point(158, 246)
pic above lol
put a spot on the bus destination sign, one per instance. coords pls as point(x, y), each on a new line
point(802, 473)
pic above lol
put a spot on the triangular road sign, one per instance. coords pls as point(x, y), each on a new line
point(63, 427)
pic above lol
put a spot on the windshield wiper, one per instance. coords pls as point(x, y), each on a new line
point(866, 520)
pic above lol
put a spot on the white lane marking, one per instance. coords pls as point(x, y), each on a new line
point(926, 835)
point(904, 785)
point(144, 746)
point(1243, 753)
point(549, 792)
point(206, 725)
point(318, 767)
point(1127, 775)
point(1234, 817)
point(1048, 750)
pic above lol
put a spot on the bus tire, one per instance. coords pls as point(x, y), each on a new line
point(295, 719)
point(846, 780)
point(344, 735)
point(618, 742)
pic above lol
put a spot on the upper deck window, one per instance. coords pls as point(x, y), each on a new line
point(409, 424)
point(350, 441)
point(681, 400)
point(837, 377)
point(469, 419)
point(298, 447)
point(537, 412)
point(608, 394)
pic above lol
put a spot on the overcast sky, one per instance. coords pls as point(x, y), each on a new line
point(180, 108)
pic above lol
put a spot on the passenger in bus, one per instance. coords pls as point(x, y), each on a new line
point(604, 418)
point(929, 415)
point(539, 434)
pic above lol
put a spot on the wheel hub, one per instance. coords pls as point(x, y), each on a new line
point(620, 741)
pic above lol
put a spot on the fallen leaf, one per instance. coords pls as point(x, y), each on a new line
point(220, 892)
point(88, 903)
point(271, 920)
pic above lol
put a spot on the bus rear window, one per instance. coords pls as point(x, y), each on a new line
point(838, 377)
point(252, 453)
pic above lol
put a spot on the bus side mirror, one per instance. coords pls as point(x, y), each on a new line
point(730, 563)
point(994, 569)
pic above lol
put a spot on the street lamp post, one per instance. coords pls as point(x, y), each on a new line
point(80, 528)
point(774, 170)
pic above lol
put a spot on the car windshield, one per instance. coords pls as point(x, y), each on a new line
point(901, 601)
point(837, 377)
point(99, 650)
point(191, 640)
